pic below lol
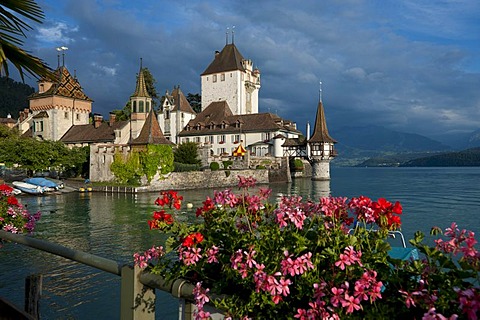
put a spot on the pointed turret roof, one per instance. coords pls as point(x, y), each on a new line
point(229, 59)
point(141, 87)
point(180, 101)
point(65, 86)
point(151, 132)
point(320, 132)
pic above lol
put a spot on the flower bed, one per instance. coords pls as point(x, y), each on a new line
point(311, 260)
point(13, 215)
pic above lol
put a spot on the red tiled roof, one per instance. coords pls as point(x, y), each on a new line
point(178, 99)
point(320, 132)
point(218, 118)
point(228, 59)
point(151, 132)
point(65, 86)
point(87, 133)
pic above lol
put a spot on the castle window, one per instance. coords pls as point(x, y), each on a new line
point(197, 139)
point(214, 78)
point(134, 109)
point(167, 114)
point(78, 116)
point(140, 107)
point(148, 106)
point(65, 115)
point(222, 77)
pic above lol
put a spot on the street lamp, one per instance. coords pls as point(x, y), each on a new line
point(61, 49)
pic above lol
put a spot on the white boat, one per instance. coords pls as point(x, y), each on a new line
point(28, 187)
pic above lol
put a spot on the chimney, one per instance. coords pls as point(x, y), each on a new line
point(97, 120)
point(217, 53)
point(112, 120)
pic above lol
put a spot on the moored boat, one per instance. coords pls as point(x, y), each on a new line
point(47, 185)
point(28, 187)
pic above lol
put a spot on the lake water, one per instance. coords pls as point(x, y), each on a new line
point(115, 226)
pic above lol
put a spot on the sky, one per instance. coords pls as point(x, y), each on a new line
point(408, 65)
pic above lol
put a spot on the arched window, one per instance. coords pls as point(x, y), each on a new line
point(134, 107)
point(140, 107)
point(148, 106)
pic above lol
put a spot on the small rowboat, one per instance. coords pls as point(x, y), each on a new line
point(28, 187)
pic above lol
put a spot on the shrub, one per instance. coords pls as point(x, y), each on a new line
point(184, 167)
point(214, 166)
point(260, 166)
point(227, 163)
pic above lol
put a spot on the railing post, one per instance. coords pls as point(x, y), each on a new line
point(185, 310)
point(137, 301)
point(33, 291)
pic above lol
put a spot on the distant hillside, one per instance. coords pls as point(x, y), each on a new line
point(473, 141)
point(466, 158)
point(358, 144)
point(395, 160)
point(13, 97)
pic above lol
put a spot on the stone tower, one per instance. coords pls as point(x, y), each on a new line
point(231, 78)
point(140, 103)
point(321, 147)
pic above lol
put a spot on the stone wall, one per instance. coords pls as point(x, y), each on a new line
point(204, 179)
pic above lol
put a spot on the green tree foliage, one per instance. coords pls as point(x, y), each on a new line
point(187, 152)
point(123, 114)
point(150, 83)
point(35, 155)
point(13, 96)
point(195, 101)
point(12, 31)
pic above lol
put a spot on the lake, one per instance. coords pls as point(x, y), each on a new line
point(115, 226)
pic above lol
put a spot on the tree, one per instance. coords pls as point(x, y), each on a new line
point(35, 155)
point(12, 30)
point(187, 152)
point(150, 83)
point(195, 101)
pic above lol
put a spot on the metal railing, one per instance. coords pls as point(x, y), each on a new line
point(137, 293)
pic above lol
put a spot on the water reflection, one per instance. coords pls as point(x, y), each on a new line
point(115, 226)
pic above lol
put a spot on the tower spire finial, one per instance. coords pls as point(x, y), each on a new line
point(233, 35)
point(320, 92)
point(226, 36)
point(141, 63)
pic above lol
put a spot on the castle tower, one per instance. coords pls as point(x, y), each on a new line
point(321, 146)
point(231, 78)
point(176, 113)
point(56, 106)
point(140, 103)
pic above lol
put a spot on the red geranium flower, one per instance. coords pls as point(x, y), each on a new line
point(12, 201)
point(192, 239)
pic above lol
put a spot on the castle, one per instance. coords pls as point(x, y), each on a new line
point(228, 122)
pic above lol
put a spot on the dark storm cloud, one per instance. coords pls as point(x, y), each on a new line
point(410, 65)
